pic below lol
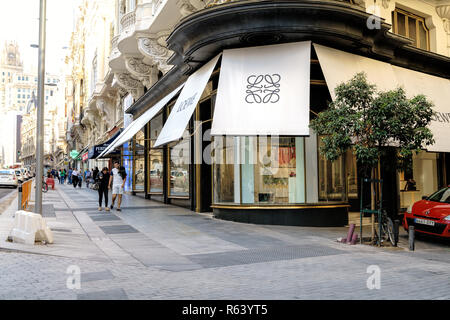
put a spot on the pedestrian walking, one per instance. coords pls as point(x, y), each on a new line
point(63, 176)
point(87, 177)
point(103, 187)
point(117, 181)
point(95, 173)
point(69, 176)
point(74, 176)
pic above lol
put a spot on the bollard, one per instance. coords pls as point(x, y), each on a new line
point(350, 233)
point(354, 238)
point(411, 238)
point(19, 198)
point(396, 231)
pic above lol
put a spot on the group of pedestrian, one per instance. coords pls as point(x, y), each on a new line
point(104, 181)
point(114, 180)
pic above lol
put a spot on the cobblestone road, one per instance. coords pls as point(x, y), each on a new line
point(152, 251)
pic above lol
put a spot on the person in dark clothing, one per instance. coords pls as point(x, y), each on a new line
point(103, 186)
point(95, 173)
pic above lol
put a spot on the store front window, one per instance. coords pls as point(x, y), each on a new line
point(331, 179)
point(263, 170)
point(139, 162)
point(351, 174)
point(420, 180)
point(156, 163)
point(179, 156)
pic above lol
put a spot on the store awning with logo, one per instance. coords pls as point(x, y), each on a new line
point(139, 123)
point(339, 67)
point(96, 150)
point(264, 91)
point(185, 105)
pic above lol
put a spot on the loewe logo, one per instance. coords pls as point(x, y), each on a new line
point(263, 88)
point(441, 117)
point(186, 103)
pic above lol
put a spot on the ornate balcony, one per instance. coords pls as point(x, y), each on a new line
point(128, 20)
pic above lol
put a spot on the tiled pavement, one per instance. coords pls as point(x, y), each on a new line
point(153, 251)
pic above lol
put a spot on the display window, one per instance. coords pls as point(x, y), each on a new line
point(138, 164)
point(156, 162)
point(263, 170)
point(179, 156)
point(331, 178)
point(420, 179)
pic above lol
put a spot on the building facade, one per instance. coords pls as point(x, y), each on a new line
point(159, 46)
point(18, 88)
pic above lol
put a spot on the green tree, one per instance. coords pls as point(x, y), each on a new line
point(369, 121)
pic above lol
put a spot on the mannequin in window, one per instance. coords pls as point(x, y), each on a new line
point(410, 185)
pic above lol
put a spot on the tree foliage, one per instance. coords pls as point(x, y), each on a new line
point(370, 120)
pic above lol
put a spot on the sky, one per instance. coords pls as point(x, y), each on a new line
point(19, 21)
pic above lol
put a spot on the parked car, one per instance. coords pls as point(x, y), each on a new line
point(20, 177)
point(431, 215)
point(8, 178)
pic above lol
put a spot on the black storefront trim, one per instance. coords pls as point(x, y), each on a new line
point(308, 217)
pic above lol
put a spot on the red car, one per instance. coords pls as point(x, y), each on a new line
point(430, 215)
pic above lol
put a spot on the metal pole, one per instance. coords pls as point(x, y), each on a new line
point(411, 238)
point(19, 198)
point(40, 109)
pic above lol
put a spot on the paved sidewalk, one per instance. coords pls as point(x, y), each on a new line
point(156, 251)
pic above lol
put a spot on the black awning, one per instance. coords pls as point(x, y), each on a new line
point(96, 150)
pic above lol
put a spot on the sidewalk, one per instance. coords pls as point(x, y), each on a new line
point(150, 233)
point(156, 251)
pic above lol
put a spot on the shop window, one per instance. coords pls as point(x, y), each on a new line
point(139, 162)
point(331, 178)
point(156, 162)
point(412, 27)
point(270, 170)
point(225, 169)
point(351, 174)
point(179, 156)
point(419, 178)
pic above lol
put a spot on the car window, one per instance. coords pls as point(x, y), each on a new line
point(442, 195)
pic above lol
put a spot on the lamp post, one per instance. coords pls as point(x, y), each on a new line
point(40, 109)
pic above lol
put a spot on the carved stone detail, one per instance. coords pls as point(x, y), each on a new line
point(186, 7)
point(444, 13)
point(146, 73)
point(156, 50)
point(385, 3)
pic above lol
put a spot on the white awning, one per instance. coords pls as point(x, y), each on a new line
point(140, 122)
point(339, 66)
point(264, 91)
point(187, 101)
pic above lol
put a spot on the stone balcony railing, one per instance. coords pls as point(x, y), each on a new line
point(114, 42)
point(128, 20)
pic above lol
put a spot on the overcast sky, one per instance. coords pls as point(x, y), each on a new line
point(19, 21)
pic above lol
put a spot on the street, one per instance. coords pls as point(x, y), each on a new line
point(4, 191)
point(156, 251)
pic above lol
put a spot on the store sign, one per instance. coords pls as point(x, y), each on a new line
point(186, 103)
point(264, 91)
point(74, 154)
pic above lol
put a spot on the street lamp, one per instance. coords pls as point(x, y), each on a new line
point(40, 108)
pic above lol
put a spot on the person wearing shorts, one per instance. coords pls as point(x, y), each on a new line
point(116, 183)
